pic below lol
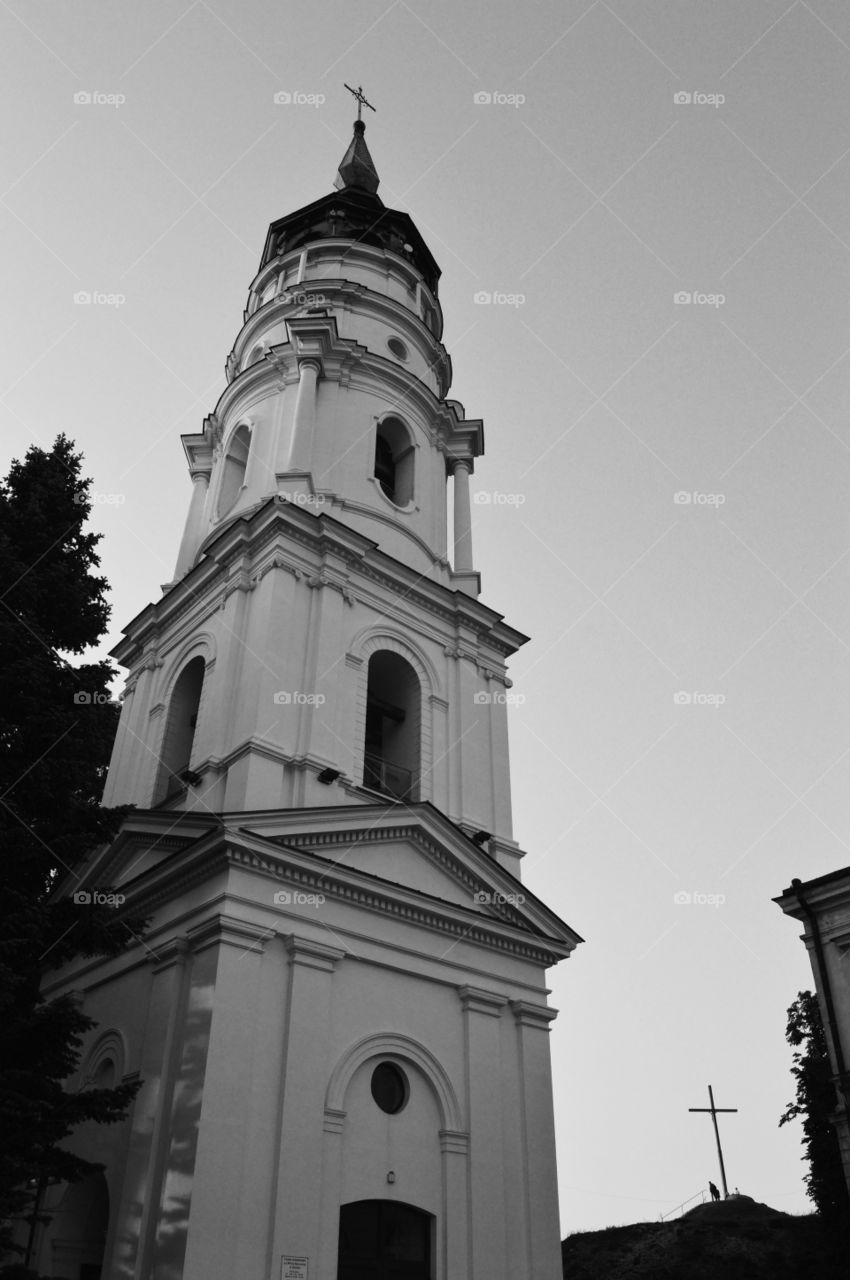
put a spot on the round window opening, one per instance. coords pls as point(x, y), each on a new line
point(398, 348)
point(389, 1087)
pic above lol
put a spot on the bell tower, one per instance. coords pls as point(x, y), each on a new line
point(339, 1010)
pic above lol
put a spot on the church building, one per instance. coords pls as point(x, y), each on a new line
point(338, 1013)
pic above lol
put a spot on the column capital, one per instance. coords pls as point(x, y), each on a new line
point(454, 1142)
point(528, 1014)
point(477, 1000)
point(315, 955)
point(455, 463)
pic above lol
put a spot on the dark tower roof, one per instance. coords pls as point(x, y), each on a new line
point(356, 168)
point(354, 212)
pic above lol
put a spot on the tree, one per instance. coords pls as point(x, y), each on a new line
point(815, 1102)
point(57, 722)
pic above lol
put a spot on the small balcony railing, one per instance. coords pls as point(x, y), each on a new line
point(390, 779)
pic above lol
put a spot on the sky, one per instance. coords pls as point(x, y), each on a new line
point(653, 197)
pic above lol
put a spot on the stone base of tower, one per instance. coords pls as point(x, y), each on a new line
point(290, 955)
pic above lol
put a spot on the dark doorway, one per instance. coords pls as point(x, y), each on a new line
point(384, 1240)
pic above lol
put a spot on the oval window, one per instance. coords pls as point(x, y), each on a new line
point(398, 348)
point(389, 1087)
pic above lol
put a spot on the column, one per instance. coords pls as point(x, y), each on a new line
point(463, 518)
point(194, 524)
point(305, 414)
point(234, 1156)
point(298, 1210)
point(540, 1192)
point(482, 1012)
point(453, 1232)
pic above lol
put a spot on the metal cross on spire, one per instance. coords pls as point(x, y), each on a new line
point(361, 99)
point(714, 1111)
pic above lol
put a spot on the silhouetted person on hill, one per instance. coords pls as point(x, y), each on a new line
point(715, 1194)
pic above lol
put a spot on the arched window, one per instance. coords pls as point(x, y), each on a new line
point(257, 353)
point(233, 468)
point(394, 454)
point(393, 716)
point(180, 730)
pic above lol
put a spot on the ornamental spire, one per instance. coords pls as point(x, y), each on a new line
point(357, 168)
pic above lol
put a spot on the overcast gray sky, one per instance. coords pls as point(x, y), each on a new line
point(585, 189)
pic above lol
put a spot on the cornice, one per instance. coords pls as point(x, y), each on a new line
point(340, 294)
point(408, 831)
point(406, 905)
point(250, 535)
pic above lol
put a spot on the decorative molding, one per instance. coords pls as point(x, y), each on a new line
point(313, 955)
point(454, 1142)
point(227, 931)
point(170, 953)
point(533, 1015)
point(406, 1050)
point(480, 930)
point(477, 1000)
point(334, 1120)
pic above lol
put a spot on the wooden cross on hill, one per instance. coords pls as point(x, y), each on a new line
point(714, 1111)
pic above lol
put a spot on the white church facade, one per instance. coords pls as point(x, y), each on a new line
point(338, 1013)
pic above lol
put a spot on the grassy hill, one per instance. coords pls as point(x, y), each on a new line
point(736, 1239)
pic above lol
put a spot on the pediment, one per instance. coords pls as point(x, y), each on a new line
point(416, 850)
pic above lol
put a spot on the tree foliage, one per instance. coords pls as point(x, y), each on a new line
point(57, 723)
point(815, 1102)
